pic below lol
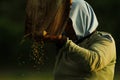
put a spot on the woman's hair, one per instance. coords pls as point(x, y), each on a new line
point(49, 15)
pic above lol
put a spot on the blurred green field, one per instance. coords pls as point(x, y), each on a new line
point(34, 76)
point(26, 76)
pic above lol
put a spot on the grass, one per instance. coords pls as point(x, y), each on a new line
point(27, 75)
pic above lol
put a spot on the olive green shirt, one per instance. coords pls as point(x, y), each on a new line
point(92, 59)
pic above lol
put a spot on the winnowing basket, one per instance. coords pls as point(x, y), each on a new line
point(48, 15)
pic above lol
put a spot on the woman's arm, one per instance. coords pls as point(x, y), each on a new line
point(99, 55)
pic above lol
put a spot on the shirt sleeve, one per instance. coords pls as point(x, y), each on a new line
point(99, 54)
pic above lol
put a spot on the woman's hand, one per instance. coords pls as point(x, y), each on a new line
point(59, 40)
point(48, 37)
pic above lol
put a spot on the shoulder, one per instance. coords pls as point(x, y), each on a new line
point(104, 35)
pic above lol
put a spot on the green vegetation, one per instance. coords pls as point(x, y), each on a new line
point(26, 76)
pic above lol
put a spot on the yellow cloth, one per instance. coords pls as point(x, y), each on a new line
point(92, 59)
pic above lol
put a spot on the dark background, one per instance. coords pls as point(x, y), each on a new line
point(12, 17)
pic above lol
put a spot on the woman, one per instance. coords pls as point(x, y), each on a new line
point(85, 54)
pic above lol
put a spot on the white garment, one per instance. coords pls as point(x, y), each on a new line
point(83, 18)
